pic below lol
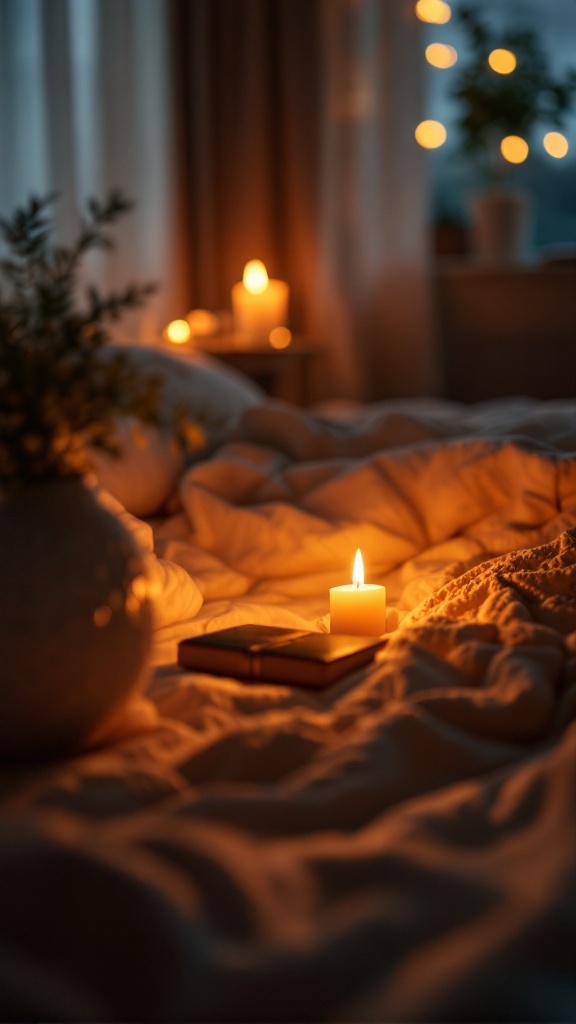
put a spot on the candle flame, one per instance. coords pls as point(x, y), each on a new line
point(255, 277)
point(358, 571)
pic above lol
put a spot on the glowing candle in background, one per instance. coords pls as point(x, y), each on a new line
point(259, 304)
point(358, 607)
point(177, 332)
point(203, 323)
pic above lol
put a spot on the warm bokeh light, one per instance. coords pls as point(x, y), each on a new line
point(502, 61)
point(178, 332)
point(255, 277)
point(202, 322)
point(514, 149)
point(280, 337)
point(435, 12)
point(556, 144)
point(440, 55)
point(430, 134)
point(358, 571)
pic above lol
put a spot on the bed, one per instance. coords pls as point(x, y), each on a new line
point(397, 847)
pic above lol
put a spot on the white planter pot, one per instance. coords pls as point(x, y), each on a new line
point(500, 226)
point(75, 618)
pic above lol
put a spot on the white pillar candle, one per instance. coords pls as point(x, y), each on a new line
point(259, 304)
point(358, 607)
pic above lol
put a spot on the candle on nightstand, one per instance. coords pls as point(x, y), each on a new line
point(358, 607)
point(259, 304)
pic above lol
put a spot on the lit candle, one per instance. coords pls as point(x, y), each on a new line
point(358, 607)
point(177, 332)
point(259, 304)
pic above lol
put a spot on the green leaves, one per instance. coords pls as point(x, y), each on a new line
point(60, 389)
point(493, 105)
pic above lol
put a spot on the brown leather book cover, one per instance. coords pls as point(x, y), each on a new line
point(277, 655)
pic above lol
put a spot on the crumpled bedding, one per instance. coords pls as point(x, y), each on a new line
point(399, 847)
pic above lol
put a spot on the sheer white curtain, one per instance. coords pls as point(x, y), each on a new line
point(281, 129)
point(374, 300)
point(85, 106)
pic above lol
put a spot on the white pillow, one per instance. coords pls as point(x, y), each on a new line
point(151, 463)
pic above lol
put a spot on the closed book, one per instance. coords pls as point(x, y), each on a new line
point(276, 655)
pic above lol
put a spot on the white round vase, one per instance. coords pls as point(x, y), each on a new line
point(500, 225)
point(75, 618)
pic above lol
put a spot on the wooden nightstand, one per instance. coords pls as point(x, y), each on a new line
point(283, 373)
point(507, 330)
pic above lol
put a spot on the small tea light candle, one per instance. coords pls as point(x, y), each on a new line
point(259, 304)
point(358, 607)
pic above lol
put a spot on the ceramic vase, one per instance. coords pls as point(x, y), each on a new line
point(500, 225)
point(75, 618)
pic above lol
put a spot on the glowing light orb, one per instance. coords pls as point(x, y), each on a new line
point(255, 277)
point(178, 332)
point(556, 144)
point(502, 61)
point(514, 149)
point(430, 134)
point(202, 322)
point(280, 337)
point(435, 12)
point(440, 55)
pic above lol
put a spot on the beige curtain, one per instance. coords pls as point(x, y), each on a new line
point(297, 124)
point(278, 129)
point(86, 106)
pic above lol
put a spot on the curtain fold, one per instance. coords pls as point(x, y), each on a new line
point(275, 129)
point(85, 106)
point(299, 117)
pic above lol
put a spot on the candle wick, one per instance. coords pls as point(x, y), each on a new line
point(357, 584)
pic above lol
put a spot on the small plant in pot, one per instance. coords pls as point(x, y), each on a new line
point(75, 616)
point(504, 91)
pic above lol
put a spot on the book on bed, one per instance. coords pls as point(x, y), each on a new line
point(276, 655)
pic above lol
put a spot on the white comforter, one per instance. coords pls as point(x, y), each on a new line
point(400, 847)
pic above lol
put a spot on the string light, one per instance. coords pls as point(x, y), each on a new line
point(514, 149)
point(435, 12)
point(440, 55)
point(556, 144)
point(430, 134)
point(502, 61)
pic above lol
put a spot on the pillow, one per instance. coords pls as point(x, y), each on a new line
point(152, 461)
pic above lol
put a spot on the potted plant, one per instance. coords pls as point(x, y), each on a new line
point(495, 105)
point(75, 621)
